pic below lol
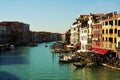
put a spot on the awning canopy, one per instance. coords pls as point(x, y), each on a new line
point(82, 51)
point(70, 46)
point(100, 51)
point(103, 51)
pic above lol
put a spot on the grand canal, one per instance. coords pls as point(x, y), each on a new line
point(38, 63)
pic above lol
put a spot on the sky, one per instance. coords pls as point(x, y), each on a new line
point(52, 15)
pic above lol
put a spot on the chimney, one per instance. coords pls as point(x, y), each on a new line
point(115, 13)
point(91, 14)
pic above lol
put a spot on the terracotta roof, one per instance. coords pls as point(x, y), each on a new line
point(113, 17)
point(118, 15)
point(99, 15)
point(84, 15)
point(81, 19)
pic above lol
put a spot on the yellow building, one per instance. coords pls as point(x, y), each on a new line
point(111, 31)
point(118, 35)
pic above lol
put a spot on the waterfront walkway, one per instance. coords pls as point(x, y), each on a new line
point(112, 67)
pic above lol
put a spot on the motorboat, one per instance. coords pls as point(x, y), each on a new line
point(12, 47)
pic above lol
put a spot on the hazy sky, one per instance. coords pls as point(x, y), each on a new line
point(52, 15)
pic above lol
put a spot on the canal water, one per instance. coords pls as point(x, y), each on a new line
point(38, 63)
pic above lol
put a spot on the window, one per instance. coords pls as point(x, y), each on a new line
point(103, 23)
point(110, 39)
point(103, 31)
point(106, 23)
point(111, 22)
point(115, 30)
point(119, 33)
point(115, 22)
point(110, 45)
point(114, 40)
point(106, 38)
point(91, 35)
point(91, 25)
point(111, 31)
point(106, 31)
point(3, 31)
point(103, 38)
point(74, 29)
point(119, 45)
point(85, 31)
point(118, 22)
point(88, 31)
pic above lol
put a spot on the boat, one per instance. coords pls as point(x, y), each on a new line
point(65, 59)
point(90, 64)
point(79, 65)
point(46, 46)
point(57, 50)
point(12, 47)
point(69, 58)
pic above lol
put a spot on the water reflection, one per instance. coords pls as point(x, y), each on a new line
point(12, 60)
point(7, 76)
point(12, 57)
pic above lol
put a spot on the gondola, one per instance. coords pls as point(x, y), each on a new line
point(79, 65)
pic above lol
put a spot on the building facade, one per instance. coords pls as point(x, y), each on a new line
point(89, 40)
point(83, 38)
point(84, 31)
point(18, 32)
point(110, 32)
point(97, 35)
point(4, 34)
point(75, 32)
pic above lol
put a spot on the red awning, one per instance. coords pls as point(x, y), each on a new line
point(100, 51)
point(95, 50)
point(103, 51)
